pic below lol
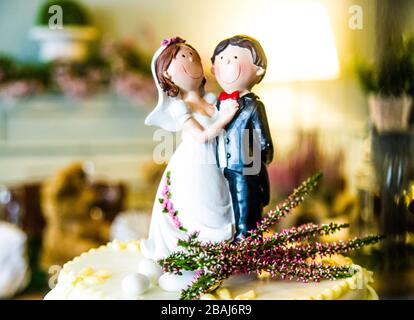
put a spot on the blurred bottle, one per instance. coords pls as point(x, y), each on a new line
point(393, 155)
point(385, 184)
point(366, 220)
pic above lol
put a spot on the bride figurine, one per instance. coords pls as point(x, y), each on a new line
point(193, 194)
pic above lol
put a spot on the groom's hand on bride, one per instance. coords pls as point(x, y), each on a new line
point(227, 111)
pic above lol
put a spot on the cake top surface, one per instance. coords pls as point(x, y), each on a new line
point(99, 274)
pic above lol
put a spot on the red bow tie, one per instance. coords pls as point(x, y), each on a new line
point(224, 96)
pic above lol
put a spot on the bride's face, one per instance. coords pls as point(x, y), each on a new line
point(186, 70)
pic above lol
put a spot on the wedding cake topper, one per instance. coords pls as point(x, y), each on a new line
point(207, 220)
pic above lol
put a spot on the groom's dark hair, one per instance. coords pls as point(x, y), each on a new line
point(258, 54)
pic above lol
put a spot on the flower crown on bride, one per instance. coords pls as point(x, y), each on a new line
point(169, 41)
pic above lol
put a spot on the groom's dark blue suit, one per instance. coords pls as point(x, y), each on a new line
point(247, 144)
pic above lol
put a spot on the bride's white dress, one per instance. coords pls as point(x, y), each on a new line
point(199, 192)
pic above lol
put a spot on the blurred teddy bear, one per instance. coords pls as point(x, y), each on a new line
point(68, 200)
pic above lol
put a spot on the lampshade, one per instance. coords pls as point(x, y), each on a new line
point(299, 42)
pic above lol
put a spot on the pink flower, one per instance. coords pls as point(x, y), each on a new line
point(164, 191)
point(177, 223)
point(170, 41)
point(170, 206)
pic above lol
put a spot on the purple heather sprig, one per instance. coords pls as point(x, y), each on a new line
point(286, 254)
point(286, 207)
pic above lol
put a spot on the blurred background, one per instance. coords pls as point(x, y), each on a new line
point(76, 167)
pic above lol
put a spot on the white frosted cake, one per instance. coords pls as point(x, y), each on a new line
point(101, 273)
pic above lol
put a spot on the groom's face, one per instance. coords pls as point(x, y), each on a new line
point(235, 70)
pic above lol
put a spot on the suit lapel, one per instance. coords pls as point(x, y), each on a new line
point(242, 103)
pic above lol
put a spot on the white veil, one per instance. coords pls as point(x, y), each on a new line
point(161, 116)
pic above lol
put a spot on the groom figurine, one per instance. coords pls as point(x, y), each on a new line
point(246, 147)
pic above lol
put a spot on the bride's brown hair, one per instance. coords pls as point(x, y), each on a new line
point(162, 64)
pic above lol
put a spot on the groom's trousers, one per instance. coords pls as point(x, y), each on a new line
point(247, 200)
